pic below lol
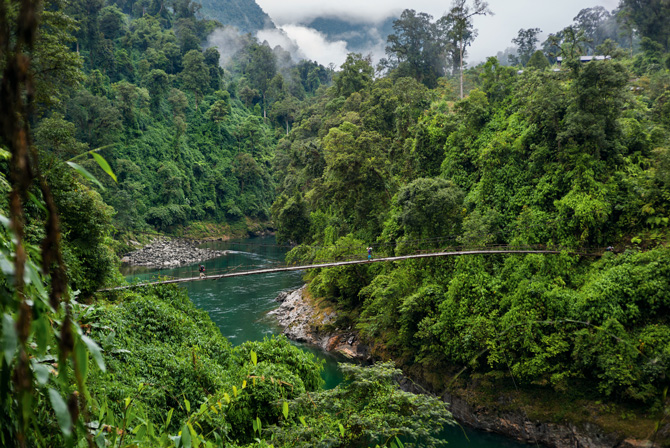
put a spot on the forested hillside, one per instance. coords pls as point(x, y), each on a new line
point(186, 139)
point(115, 119)
point(245, 15)
point(575, 157)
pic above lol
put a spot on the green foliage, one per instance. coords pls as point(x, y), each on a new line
point(367, 409)
point(563, 159)
point(356, 74)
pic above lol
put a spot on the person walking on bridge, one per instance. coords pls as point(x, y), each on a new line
point(202, 271)
point(369, 253)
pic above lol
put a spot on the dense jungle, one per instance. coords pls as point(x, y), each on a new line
point(123, 119)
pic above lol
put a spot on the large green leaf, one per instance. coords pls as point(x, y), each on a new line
point(185, 437)
point(62, 414)
point(84, 172)
point(95, 351)
point(104, 165)
point(11, 341)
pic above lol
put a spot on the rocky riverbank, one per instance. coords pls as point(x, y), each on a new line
point(304, 322)
point(169, 253)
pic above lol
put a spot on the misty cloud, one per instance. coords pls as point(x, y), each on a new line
point(308, 44)
point(495, 32)
point(278, 36)
point(228, 41)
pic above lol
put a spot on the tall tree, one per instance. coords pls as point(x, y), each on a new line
point(651, 18)
point(356, 74)
point(260, 70)
point(526, 41)
point(591, 21)
point(462, 29)
point(418, 46)
point(195, 76)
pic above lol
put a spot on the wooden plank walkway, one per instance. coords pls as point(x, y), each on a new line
point(339, 263)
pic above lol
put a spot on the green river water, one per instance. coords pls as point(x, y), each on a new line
point(239, 306)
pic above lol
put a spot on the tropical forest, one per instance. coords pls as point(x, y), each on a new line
point(493, 234)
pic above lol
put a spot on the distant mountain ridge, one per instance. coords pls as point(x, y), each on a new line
point(246, 15)
point(358, 36)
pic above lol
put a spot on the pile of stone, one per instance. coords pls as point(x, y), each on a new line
point(170, 253)
point(302, 324)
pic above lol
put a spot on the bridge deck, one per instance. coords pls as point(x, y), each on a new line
point(342, 263)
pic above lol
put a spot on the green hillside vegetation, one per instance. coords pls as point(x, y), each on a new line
point(569, 159)
point(115, 119)
point(186, 140)
point(244, 15)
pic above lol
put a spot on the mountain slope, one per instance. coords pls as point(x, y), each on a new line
point(245, 15)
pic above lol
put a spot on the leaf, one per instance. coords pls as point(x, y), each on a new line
point(195, 441)
point(235, 391)
point(185, 437)
point(226, 397)
point(244, 384)
point(341, 429)
point(187, 404)
point(169, 417)
point(95, 351)
point(9, 337)
point(4, 221)
point(41, 373)
point(258, 421)
point(37, 202)
point(81, 356)
point(254, 359)
point(41, 333)
point(285, 409)
point(302, 420)
point(104, 165)
point(399, 443)
point(62, 414)
point(81, 170)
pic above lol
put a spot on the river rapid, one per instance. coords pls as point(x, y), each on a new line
point(239, 307)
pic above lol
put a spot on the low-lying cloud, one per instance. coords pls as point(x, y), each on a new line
point(306, 43)
point(228, 41)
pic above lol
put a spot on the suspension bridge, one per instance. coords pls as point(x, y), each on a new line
point(457, 252)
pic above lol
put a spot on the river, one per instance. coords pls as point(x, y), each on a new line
point(239, 306)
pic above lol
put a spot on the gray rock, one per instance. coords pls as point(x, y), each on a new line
point(166, 253)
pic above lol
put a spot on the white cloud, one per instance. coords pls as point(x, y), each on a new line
point(228, 41)
point(313, 45)
point(495, 32)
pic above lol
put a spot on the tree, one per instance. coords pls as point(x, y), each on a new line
point(462, 30)
point(157, 83)
point(195, 75)
point(212, 57)
point(430, 208)
point(291, 218)
point(112, 22)
point(260, 70)
point(55, 135)
point(591, 21)
point(538, 61)
point(356, 74)
point(651, 18)
point(526, 42)
point(286, 110)
point(362, 405)
point(418, 47)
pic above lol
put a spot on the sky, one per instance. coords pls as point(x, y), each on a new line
point(495, 32)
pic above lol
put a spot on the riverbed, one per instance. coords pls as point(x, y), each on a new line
point(239, 307)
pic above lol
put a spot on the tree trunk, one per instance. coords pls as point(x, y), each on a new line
point(461, 66)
